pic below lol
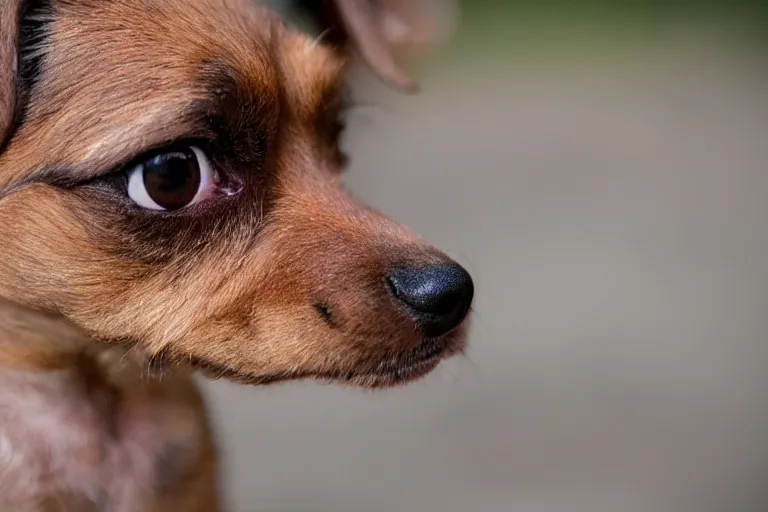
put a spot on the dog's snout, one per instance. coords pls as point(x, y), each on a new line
point(438, 296)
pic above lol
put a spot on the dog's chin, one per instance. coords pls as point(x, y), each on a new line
point(394, 371)
point(405, 368)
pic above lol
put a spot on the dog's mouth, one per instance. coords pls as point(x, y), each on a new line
point(408, 367)
point(396, 370)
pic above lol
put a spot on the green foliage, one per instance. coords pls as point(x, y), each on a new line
point(520, 24)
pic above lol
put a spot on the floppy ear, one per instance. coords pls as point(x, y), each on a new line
point(384, 31)
point(10, 14)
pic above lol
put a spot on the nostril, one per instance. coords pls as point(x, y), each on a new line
point(438, 296)
point(446, 303)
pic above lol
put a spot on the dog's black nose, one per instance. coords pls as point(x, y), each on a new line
point(438, 296)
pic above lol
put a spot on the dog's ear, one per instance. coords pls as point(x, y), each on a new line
point(384, 31)
point(10, 14)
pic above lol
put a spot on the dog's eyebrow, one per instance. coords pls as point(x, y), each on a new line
point(152, 125)
point(111, 147)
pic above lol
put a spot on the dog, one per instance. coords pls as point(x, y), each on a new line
point(171, 203)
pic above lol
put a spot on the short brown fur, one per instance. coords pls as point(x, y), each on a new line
point(281, 280)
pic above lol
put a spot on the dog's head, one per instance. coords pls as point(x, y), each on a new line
point(169, 179)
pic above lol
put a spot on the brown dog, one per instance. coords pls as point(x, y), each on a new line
point(170, 200)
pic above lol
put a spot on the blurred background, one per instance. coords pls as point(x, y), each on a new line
point(601, 168)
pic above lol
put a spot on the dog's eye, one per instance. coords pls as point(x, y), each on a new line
point(172, 179)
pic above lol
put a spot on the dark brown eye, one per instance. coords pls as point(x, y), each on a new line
point(171, 180)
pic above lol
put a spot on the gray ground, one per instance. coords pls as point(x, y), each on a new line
point(613, 213)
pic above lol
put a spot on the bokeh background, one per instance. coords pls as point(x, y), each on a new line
point(602, 169)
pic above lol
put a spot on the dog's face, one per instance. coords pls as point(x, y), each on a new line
point(170, 180)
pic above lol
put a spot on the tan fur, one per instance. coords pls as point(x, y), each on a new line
point(124, 302)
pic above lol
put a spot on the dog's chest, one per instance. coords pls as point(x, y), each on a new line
point(89, 449)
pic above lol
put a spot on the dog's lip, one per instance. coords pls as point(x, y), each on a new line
point(399, 369)
point(429, 350)
point(406, 368)
point(399, 374)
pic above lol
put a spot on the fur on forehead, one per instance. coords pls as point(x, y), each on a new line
point(93, 92)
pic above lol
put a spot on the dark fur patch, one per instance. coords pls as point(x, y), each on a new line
point(242, 118)
point(32, 33)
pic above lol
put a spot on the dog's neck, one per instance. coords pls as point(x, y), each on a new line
point(39, 341)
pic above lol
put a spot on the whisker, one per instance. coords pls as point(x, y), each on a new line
point(319, 39)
